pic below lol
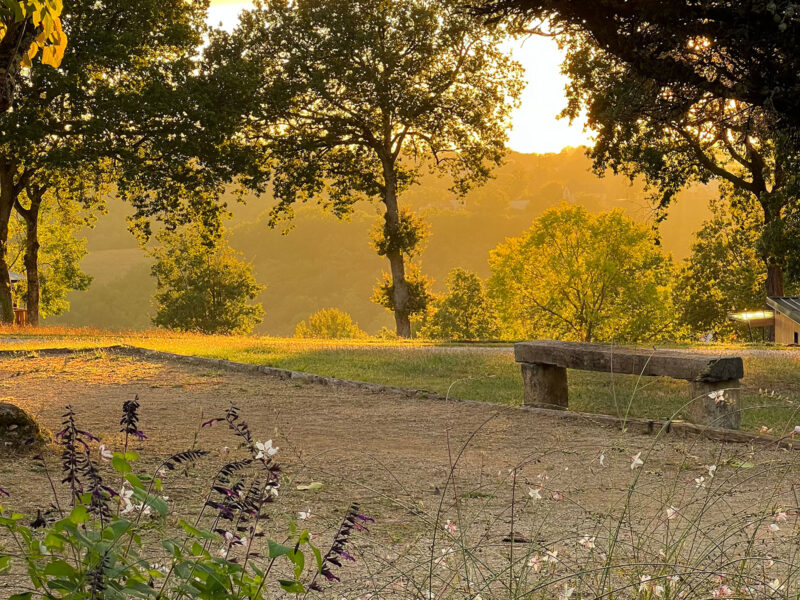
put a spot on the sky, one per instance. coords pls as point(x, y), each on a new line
point(535, 126)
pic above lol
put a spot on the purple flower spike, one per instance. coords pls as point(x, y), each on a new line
point(210, 422)
point(346, 556)
point(4, 493)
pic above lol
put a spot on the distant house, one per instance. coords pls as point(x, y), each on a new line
point(15, 277)
point(787, 319)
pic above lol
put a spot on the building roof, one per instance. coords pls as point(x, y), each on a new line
point(789, 306)
point(15, 276)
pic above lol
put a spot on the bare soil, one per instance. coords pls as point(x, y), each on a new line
point(394, 454)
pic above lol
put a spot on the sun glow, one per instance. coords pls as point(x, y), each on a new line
point(535, 126)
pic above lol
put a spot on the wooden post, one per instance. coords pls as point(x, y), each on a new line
point(716, 404)
point(545, 386)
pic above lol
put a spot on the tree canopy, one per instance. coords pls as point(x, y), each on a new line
point(578, 276)
point(464, 312)
point(357, 98)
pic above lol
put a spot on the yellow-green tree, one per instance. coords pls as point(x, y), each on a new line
point(580, 276)
point(464, 312)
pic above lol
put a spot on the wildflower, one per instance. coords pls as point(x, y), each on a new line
point(712, 469)
point(773, 527)
point(722, 591)
point(304, 515)
point(265, 449)
point(645, 583)
point(700, 482)
point(781, 516)
point(636, 461)
point(450, 527)
point(775, 585)
point(672, 512)
point(602, 459)
point(587, 542)
point(551, 556)
point(764, 429)
point(535, 563)
point(566, 592)
point(105, 454)
point(718, 396)
point(224, 451)
point(796, 430)
point(557, 496)
point(535, 493)
point(658, 591)
point(768, 562)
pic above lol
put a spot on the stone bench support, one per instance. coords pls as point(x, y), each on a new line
point(714, 398)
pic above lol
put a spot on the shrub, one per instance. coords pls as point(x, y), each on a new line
point(96, 547)
point(464, 313)
point(329, 323)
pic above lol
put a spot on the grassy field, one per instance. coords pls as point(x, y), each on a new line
point(771, 391)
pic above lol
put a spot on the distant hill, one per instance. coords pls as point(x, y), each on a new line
point(323, 262)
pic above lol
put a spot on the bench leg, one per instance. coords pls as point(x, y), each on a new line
point(716, 404)
point(545, 386)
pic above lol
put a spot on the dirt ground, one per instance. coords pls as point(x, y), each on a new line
point(393, 454)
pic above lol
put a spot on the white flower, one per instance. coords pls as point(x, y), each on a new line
point(712, 469)
point(723, 591)
point(700, 482)
point(450, 527)
point(781, 516)
point(796, 429)
point(672, 512)
point(645, 583)
point(551, 556)
point(587, 542)
point(775, 585)
point(557, 496)
point(636, 461)
point(535, 493)
point(718, 396)
point(602, 459)
point(535, 563)
point(566, 593)
point(773, 527)
point(224, 451)
point(265, 449)
point(658, 591)
point(305, 515)
point(105, 454)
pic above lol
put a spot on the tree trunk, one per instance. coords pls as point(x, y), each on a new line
point(396, 262)
point(774, 283)
point(32, 296)
point(6, 204)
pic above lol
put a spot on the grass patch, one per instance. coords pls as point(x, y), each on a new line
point(771, 390)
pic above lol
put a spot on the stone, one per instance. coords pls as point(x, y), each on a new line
point(18, 430)
point(545, 386)
point(716, 404)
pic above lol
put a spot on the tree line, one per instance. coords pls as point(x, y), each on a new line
point(342, 101)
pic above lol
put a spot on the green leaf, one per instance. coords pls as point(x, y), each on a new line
point(318, 556)
point(5, 563)
point(116, 529)
point(79, 515)
point(193, 531)
point(59, 568)
point(741, 464)
point(120, 464)
point(22, 596)
point(276, 549)
point(292, 587)
point(299, 560)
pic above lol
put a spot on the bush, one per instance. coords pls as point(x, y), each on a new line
point(329, 323)
point(96, 547)
point(464, 313)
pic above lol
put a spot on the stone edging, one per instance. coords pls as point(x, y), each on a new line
point(635, 425)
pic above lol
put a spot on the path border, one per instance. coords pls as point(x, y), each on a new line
point(633, 425)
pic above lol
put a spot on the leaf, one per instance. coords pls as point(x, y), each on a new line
point(5, 563)
point(740, 464)
point(120, 464)
point(193, 531)
point(318, 556)
point(59, 568)
point(276, 549)
point(22, 596)
point(79, 515)
point(292, 587)
point(314, 486)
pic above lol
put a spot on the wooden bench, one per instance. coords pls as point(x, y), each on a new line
point(714, 379)
point(20, 317)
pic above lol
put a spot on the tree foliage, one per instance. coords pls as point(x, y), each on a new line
point(724, 272)
point(203, 285)
point(358, 98)
point(464, 312)
point(329, 323)
point(578, 276)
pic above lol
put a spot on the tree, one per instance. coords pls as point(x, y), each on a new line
point(578, 276)
point(203, 285)
point(747, 50)
point(679, 99)
point(124, 109)
point(329, 323)
point(49, 250)
point(464, 312)
point(360, 96)
point(724, 272)
point(26, 27)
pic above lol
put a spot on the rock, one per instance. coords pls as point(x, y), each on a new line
point(18, 431)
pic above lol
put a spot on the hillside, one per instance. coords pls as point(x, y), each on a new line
point(324, 262)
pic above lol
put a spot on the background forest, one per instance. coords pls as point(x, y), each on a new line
point(323, 262)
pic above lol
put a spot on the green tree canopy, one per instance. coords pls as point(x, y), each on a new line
point(464, 312)
point(329, 323)
point(357, 97)
point(578, 276)
point(203, 286)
